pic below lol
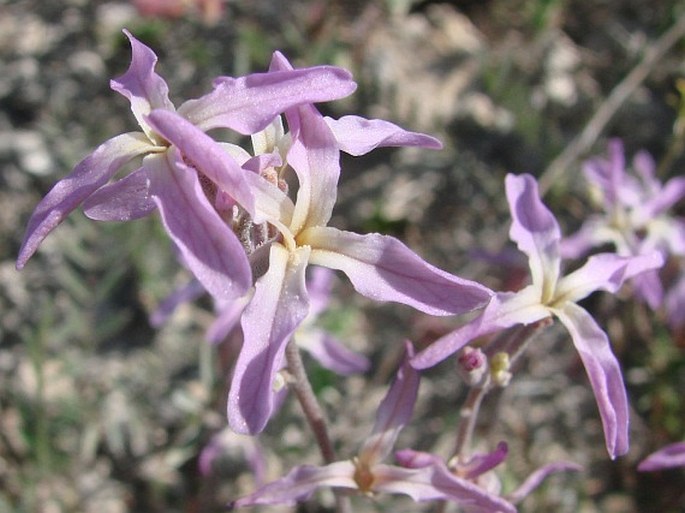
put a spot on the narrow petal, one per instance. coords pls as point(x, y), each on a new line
point(481, 463)
point(279, 305)
point(437, 483)
point(358, 136)
point(248, 104)
point(672, 455)
point(383, 269)
point(409, 458)
point(536, 479)
point(267, 140)
point(675, 304)
point(593, 233)
point(209, 248)
point(300, 483)
point(535, 231)
point(332, 354)
point(394, 412)
point(227, 319)
point(671, 193)
point(205, 155)
point(185, 294)
point(649, 289)
point(271, 203)
point(88, 176)
point(124, 200)
point(315, 157)
point(505, 309)
point(608, 173)
point(604, 372)
point(320, 284)
point(605, 271)
point(144, 88)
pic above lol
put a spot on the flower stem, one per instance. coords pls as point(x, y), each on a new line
point(310, 406)
point(467, 425)
point(514, 343)
point(313, 413)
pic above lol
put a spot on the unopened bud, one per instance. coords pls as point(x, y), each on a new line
point(471, 365)
point(499, 369)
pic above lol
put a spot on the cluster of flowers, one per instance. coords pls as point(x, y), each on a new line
point(247, 224)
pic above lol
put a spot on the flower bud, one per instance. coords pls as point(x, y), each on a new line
point(471, 365)
point(499, 369)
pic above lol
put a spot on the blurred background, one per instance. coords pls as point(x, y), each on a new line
point(99, 412)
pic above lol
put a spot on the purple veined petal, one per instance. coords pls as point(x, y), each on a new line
point(670, 456)
point(279, 62)
point(506, 309)
point(279, 305)
point(320, 285)
point(535, 231)
point(667, 233)
point(383, 269)
point(608, 173)
point(209, 248)
point(617, 166)
point(88, 176)
point(436, 482)
point(239, 154)
point(227, 442)
point(271, 203)
point(591, 234)
point(394, 412)
point(604, 373)
point(409, 458)
point(481, 463)
point(315, 157)
point(124, 200)
point(261, 162)
point(144, 88)
point(227, 319)
point(605, 271)
point(649, 289)
point(269, 139)
point(300, 483)
point(358, 136)
point(675, 304)
point(205, 155)
point(185, 294)
point(248, 104)
point(670, 194)
point(332, 354)
point(536, 478)
point(645, 168)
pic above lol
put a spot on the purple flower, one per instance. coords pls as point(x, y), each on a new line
point(635, 218)
point(670, 456)
point(537, 234)
point(379, 267)
point(181, 180)
point(367, 474)
point(478, 470)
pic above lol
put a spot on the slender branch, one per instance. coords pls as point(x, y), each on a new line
point(513, 342)
point(467, 424)
point(582, 143)
point(310, 406)
point(314, 414)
